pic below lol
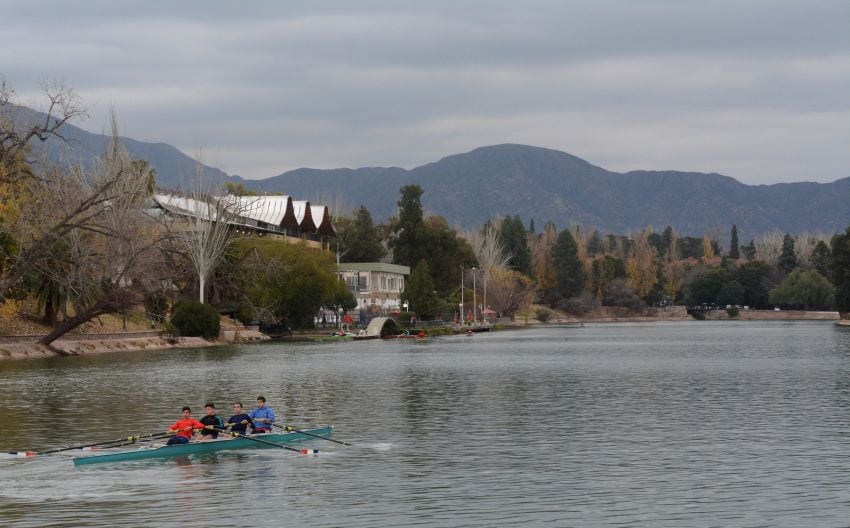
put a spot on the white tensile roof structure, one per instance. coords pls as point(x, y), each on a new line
point(268, 212)
point(322, 220)
point(304, 215)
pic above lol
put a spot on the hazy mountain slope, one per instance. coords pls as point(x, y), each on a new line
point(173, 167)
point(532, 182)
point(544, 184)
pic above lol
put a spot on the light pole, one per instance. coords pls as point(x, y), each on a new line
point(485, 291)
point(474, 306)
point(339, 272)
point(460, 319)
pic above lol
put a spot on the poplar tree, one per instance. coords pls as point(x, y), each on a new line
point(787, 259)
point(734, 251)
point(840, 270)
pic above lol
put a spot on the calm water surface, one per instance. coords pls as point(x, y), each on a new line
point(662, 425)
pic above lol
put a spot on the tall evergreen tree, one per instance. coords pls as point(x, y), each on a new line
point(569, 271)
point(419, 291)
point(514, 240)
point(840, 270)
point(417, 238)
point(787, 259)
point(668, 244)
point(408, 244)
point(734, 252)
point(359, 239)
point(595, 246)
point(820, 259)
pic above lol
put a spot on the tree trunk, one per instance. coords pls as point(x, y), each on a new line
point(100, 308)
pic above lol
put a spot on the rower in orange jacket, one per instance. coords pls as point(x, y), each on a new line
point(184, 427)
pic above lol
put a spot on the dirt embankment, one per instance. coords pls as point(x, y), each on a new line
point(111, 334)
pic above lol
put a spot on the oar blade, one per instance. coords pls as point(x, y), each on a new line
point(20, 454)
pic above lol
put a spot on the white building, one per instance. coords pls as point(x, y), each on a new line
point(376, 286)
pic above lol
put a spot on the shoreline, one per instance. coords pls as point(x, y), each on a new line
point(18, 347)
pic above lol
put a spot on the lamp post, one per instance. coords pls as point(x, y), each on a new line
point(485, 293)
point(474, 306)
point(460, 319)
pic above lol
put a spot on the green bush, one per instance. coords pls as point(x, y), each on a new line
point(194, 319)
point(542, 314)
point(156, 306)
point(733, 311)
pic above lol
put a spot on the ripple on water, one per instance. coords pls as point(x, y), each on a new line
point(738, 424)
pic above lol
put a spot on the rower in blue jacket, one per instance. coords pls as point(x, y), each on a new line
point(239, 422)
point(262, 416)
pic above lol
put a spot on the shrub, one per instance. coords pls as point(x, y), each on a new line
point(542, 314)
point(156, 306)
point(733, 311)
point(581, 305)
point(194, 319)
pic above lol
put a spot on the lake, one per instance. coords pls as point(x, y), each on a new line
point(734, 424)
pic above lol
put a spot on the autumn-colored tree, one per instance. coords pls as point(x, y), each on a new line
point(673, 275)
point(707, 247)
point(641, 266)
point(541, 254)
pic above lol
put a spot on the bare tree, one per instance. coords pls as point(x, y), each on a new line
point(509, 291)
point(485, 244)
point(19, 128)
point(106, 242)
point(769, 247)
point(208, 227)
point(804, 245)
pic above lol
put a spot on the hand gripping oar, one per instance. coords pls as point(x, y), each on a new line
point(239, 435)
point(121, 441)
point(305, 433)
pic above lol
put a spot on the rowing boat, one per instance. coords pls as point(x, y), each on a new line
point(263, 441)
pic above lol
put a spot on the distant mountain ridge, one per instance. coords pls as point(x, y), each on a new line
point(174, 169)
point(544, 184)
point(532, 182)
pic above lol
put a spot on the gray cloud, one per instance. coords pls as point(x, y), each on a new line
point(755, 90)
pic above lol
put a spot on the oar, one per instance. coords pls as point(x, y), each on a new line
point(239, 435)
point(305, 433)
point(126, 440)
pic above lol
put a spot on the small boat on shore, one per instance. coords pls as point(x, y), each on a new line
point(262, 441)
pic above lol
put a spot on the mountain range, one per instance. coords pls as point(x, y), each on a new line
point(549, 185)
point(535, 183)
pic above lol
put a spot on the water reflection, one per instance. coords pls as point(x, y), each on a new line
point(733, 424)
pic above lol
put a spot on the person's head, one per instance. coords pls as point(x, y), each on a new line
point(186, 412)
point(237, 407)
point(261, 401)
point(210, 408)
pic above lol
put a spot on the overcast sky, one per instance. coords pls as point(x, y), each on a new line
point(756, 90)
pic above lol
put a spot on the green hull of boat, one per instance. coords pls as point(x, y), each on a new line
point(209, 446)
